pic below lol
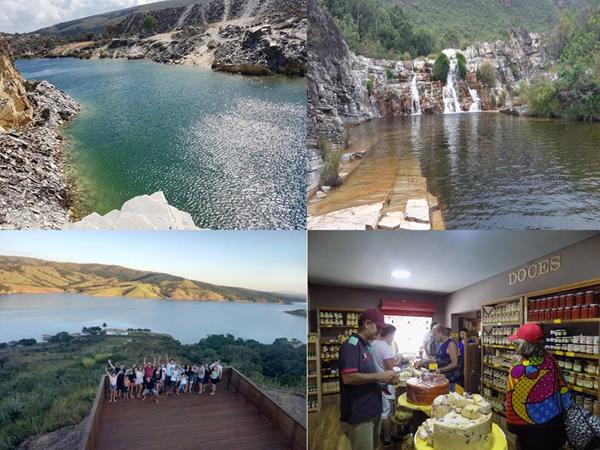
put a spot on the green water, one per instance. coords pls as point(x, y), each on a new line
point(230, 150)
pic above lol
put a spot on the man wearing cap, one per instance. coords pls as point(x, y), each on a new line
point(360, 392)
point(537, 393)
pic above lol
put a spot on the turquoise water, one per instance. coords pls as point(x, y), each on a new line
point(30, 316)
point(230, 150)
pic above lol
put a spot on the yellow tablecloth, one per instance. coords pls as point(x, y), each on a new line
point(402, 401)
point(498, 439)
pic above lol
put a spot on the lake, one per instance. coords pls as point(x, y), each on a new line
point(488, 170)
point(26, 316)
point(228, 149)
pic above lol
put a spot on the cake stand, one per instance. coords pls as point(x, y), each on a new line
point(498, 440)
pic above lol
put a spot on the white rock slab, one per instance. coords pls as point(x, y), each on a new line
point(417, 210)
point(392, 221)
point(362, 217)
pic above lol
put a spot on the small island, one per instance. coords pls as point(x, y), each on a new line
point(297, 312)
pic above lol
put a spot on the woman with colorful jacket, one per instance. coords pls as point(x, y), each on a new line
point(537, 394)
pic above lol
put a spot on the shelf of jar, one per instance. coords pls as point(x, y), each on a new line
point(500, 324)
point(354, 327)
point(491, 366)
point(328, 359)
point(583, 390)
point(504, 346)
point(311, 359)
point(495, 388)
point(329, 376)
point(574, 354)
point(313, 375)
point(565, 322)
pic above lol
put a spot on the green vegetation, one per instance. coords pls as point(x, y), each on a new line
point(576, 91)
point(52, 385)
point(370, 86)
point(389, 73)
point(150, 24)
point(461, 63)
point(331, 164)
point(462, 22)
point(441, 67)
point(486, 74)
point(377, 29)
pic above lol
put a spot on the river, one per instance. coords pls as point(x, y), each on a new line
point(228, 149)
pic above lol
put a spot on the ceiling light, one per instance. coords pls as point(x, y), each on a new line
point(402, 274)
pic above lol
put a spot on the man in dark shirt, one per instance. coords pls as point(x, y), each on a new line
point(150, 389)
point(360, 393)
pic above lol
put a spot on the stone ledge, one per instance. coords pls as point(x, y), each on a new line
point(146, 212)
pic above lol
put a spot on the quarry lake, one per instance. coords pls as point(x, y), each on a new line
point(488, 170)
point(228, 149)
point(27, 316)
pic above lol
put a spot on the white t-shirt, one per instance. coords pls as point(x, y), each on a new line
point(382, 351)
point(170, 368)
point(201, 371)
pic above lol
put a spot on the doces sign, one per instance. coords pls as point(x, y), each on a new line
point(543, 267)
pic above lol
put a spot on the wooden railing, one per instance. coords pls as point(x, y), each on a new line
point(88, 441)
point(288, 428)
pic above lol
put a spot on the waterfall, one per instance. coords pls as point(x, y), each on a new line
point(451, 104)
point(476, 105)
point(414, 93)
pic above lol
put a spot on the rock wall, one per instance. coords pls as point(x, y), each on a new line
point(34, 190)
point(15, 109)
point(337, 92)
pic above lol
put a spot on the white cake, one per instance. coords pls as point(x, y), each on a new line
point(458, 422)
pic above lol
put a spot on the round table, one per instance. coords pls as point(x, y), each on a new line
point(498, 440)
point(403, 401)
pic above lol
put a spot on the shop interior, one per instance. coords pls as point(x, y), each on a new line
point(486, 283)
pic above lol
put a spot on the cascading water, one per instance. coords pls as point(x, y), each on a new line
point(476, 105)
point(451, 104)
point(414, 93)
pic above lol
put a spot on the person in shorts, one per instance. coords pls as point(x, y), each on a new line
point(169, 376)
point(386, 359)
point(216, 372)
point(150, 389)
point(360, 391)
point(201, 378)
point(112, 384)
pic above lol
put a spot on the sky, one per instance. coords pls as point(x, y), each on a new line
point(21, 16)
point(272, 261)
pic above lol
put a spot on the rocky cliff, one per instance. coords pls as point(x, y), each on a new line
point(15, 109)
point(253, 37)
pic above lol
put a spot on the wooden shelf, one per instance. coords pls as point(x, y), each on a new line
point(574, 355)
point(311, 359)
point(314, 348)
point(508, 324)
point(505, 369)
point(313, 376)
point(579, 373)
point(496, 388)
point(331, 392)
point(583, 390)
point(329, 376)
point(506, 347)
point(566, 322)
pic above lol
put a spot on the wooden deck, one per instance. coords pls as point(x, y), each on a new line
point(228, 420)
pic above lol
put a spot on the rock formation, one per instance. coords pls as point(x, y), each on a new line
point(15, 110)
point(34, 189)
point(252, 37)
point(146, 212)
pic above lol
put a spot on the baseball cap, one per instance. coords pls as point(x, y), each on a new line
point(374, 315)
point(530, 332)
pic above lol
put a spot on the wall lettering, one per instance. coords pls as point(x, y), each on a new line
point(551, 264)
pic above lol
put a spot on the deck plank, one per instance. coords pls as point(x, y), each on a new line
point(190, 421)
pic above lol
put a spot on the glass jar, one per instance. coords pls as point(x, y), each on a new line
point(594, 310)
point(585, 311)
point(568, 364)
point(590, 297)
point(577, 366)
point(568, 312)
point(563, 300)
point(576, 312)
point(570, 300)
point(580, 298)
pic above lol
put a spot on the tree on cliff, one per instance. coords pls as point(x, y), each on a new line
point(486, 74)
point(150, 24)
point(461, 63)
point(441, 67)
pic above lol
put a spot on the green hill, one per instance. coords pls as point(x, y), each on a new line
point(28, 275)
point(408, 28)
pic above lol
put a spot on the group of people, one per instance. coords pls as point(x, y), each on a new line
point(537, 399)
point(152, 379)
